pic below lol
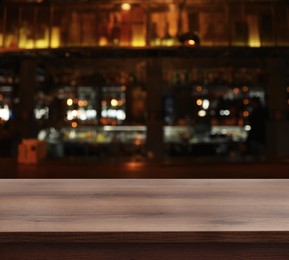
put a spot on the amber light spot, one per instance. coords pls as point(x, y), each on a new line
point(246, 113)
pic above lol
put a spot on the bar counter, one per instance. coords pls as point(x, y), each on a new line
point(144, 219)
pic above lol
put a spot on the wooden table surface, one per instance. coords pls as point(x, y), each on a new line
point(144, 211)
point(144, 205)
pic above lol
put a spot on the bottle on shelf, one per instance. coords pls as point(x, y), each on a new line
point(138, 28)
point(103, 32)
point(74, 29)
point(115, 32)
point(103, 37)
point(167, 40)
point(154, 37)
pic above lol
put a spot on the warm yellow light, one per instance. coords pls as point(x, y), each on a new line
point(123, 88)
point(114, 102)
point(55, 37)
point(190, 42)
point(246, 101)
point(130, 166)
point(253, 32)
point(245, 88)
point(69, 102)
point(74, 124)
point(82, 103)
point(138, 43)
point(168, 42)
point(42, 44)
point(103, 41)
point(254, 43)
point(126, 6)
point(199, 102)
point(29, 44)
point(246, 113)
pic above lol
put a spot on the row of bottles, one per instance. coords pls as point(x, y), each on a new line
point(137, 25)
point(213, 76)
point(61, 28)
point(119, 29)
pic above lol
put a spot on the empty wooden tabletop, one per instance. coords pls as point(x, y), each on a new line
point(144, 219)
point(119, 205)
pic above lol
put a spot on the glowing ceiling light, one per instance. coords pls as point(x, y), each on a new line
point(225, 112)
point(69, 102)
point(74, 124)
point(246, 113)
point(202, 113)
point(114, 102)
point(206, 104)
point(247, 127)
point(5, 113)
point(199, 102)
point(74, 113)
point(126, 6)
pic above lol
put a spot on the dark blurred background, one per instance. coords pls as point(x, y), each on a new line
point(195, 80)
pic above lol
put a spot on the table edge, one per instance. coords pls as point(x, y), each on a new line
point(146, 237)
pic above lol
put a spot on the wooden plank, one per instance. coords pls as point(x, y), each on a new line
point(144, 205)
point(144, 219)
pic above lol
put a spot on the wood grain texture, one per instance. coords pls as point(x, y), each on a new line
point(144, 205)
point(144, 219)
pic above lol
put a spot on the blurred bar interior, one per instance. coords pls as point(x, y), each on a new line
point(148, 78)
